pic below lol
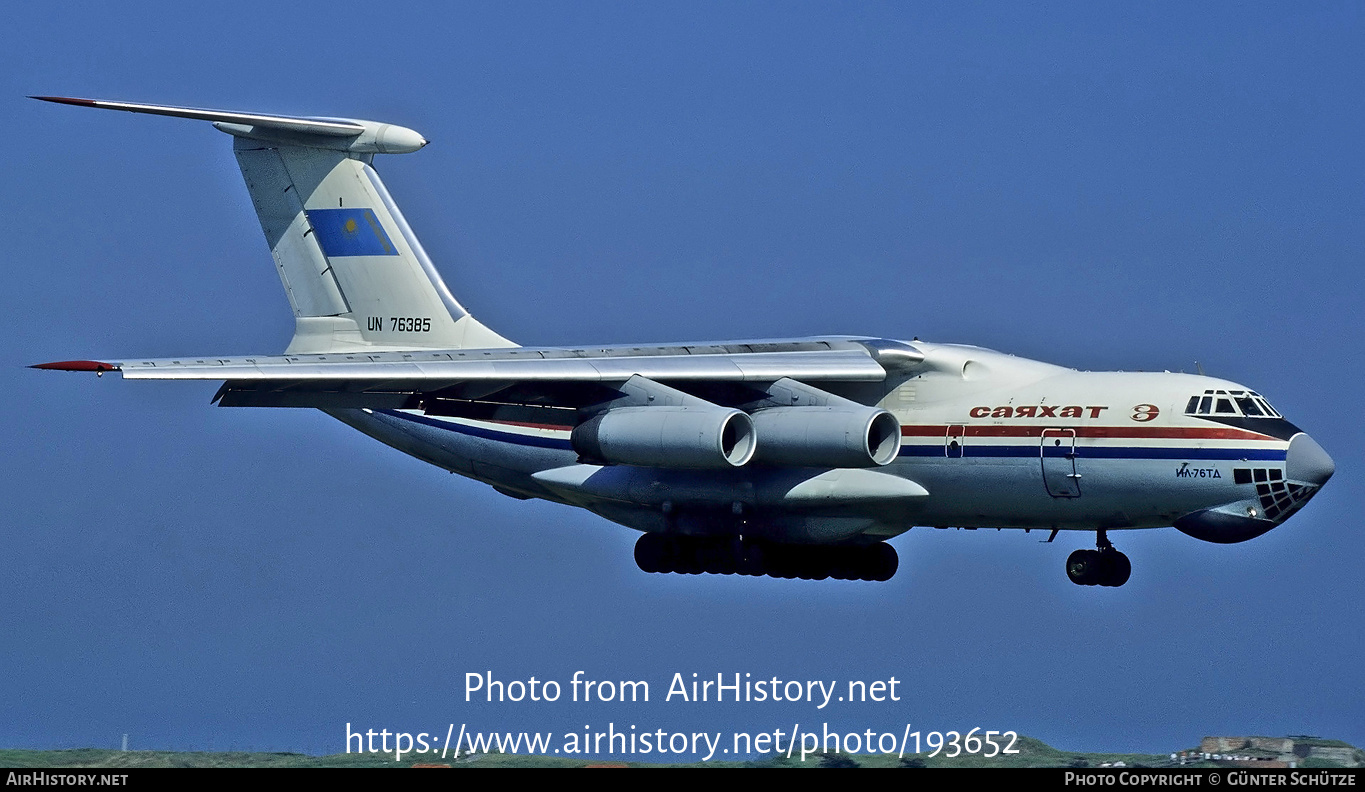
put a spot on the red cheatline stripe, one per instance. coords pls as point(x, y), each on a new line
point(77, 365)
point(1128, 432)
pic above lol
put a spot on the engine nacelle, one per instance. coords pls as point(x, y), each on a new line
point(697, 437)
point(835, 436)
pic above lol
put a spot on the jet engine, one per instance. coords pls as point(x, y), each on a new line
point(802, 426)
point(833, 436)
point(705, 437)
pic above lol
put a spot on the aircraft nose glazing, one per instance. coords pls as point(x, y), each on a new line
point(1306, 461)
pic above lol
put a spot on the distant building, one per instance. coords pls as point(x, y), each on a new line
point(1279, 751)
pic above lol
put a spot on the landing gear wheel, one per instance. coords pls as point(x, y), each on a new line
point(843, 563)
point(714, 555)
point(691, 556)
point(1117, 569)
point(650, 552)
point(1106, 567)
point(1084, 567)
point(753, 559)
point(883, 561)
point(729, 554)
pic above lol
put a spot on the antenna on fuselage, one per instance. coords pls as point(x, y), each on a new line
point(1198, 368)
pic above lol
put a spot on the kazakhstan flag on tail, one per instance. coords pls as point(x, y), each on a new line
point(350, 232)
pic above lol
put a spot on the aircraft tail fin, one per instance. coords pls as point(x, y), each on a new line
point(356, 276)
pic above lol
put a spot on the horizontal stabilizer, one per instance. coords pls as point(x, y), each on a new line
point(346, 134)
point(308, 126)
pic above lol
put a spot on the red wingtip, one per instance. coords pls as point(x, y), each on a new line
point(77, 365)
point(66, 100)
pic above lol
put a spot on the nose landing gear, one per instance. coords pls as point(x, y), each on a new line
point(1104, 566)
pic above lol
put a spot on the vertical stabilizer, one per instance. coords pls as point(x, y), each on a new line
point(356, 276)
point(355, 273)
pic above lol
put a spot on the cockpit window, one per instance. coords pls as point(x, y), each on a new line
point(1237, 402)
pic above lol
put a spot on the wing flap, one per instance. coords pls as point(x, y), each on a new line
point(246, 395)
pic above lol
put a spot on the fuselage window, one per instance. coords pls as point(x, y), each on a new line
point(1204, 405)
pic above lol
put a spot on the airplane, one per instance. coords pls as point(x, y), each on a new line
point(791, 458)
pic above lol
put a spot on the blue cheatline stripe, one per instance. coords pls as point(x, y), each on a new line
point(1137, 452)
point(480, 432)
point(350, 232)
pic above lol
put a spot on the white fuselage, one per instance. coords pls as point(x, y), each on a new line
point(993, 441)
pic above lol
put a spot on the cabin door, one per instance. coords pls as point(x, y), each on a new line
point(1058, 453)
point(953, 441)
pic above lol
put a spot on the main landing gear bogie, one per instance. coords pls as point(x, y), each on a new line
point(1103, 566)
point(694, 555)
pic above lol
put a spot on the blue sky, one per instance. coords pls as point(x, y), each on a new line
point(1096, 185)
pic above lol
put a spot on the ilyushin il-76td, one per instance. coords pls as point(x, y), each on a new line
point(794, 458)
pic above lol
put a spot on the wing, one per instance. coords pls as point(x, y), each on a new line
point(393, 380)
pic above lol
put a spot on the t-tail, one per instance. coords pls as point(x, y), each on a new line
point(356, 276)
